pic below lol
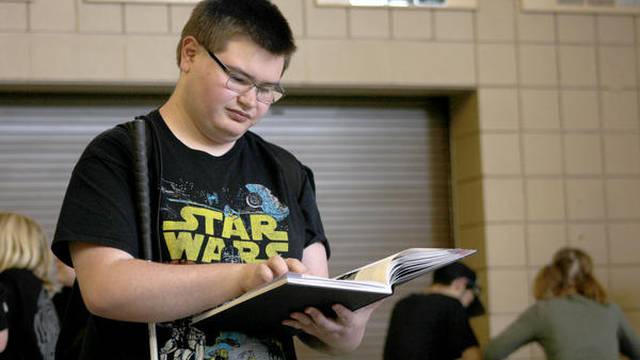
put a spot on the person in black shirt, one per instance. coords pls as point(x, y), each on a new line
point(29, 325)
point(65, 277)
point(231, 210)
point(435, 325)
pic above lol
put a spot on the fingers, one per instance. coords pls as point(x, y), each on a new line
point(314, 317)
point(296, 265)
point(342, 334)
point(263, 273)
point(277, 265)
point(254, 275)
point(258, 274)
point(345, 316)
point(300, 321)
point(302, 318)
point(313, 322)
point(280, 266)
point(321, 321)
point(294, 324)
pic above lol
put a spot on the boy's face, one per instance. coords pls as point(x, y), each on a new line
point(219, 114)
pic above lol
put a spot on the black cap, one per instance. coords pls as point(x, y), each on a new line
point(447, 274)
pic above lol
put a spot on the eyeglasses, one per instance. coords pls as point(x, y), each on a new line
point(239, 83)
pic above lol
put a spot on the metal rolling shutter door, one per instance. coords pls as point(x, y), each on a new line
point(382, 174)
point(382, 177)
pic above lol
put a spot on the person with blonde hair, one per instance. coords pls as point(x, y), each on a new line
point(572, 317)
point(28, 321)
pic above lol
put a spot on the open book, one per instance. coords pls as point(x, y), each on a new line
point(265, 307)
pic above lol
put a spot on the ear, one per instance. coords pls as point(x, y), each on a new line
point(459, 284)
point(188, 51)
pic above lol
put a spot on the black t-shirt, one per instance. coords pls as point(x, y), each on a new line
point(428, 327)
point(4, 309)
point(60, 300)
point(255, 201)
point(29, 315)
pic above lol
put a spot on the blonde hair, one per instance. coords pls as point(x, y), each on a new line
point(24, 246)
point(571, 271)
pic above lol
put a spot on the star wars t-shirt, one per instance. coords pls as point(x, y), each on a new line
point(253, 202)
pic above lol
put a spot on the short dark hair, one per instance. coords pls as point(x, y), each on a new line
point(447, 274)
point(214, 22)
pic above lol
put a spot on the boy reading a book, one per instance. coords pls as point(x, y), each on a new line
point(232, 210)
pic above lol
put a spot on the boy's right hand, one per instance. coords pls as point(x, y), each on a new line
point(261, 273)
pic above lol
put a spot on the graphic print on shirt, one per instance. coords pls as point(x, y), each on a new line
point(244, 225)
point(46, 326)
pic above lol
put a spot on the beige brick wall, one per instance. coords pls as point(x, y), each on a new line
point(552, 153)
point(546, 144)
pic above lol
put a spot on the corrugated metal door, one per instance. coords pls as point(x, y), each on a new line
point(382, 172)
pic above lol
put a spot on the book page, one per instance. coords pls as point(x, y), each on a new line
point(377, 272)
point(405, 265)
point(412, 263)
point(363, 285)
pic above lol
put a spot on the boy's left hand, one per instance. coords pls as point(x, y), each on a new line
point(342, 334)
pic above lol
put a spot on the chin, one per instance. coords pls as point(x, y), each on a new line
point(240, 128)
point(232, 135)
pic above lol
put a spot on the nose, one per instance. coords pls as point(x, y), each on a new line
point(249, 98)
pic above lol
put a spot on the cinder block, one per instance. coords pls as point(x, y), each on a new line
point(13, 16)
point(53, 15)
point(146, 19)
point(100, 17)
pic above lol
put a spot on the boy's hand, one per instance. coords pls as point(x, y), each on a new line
point(261, 273)
point(342, 334)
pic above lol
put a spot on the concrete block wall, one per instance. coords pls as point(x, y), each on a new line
point(71, 41)
point(546, 144)
point(546, 153)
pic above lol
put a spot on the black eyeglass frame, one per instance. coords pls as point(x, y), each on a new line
point(277, 91)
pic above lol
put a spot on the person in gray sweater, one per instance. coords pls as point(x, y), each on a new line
point(572, 318)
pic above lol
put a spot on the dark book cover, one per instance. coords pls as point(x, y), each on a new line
point(264, 308)
point(285, 295)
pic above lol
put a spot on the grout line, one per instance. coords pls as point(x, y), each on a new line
point(348, 20)
point(389, 25)
point(123, 13)
point(634, 21)
point(605, 210)
point(76, 8)
point(305, 4)
point(432, 25)
point(169, 13)
point(525, 198)
point(474, 19)
point(561, 133)
point(28, 13)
